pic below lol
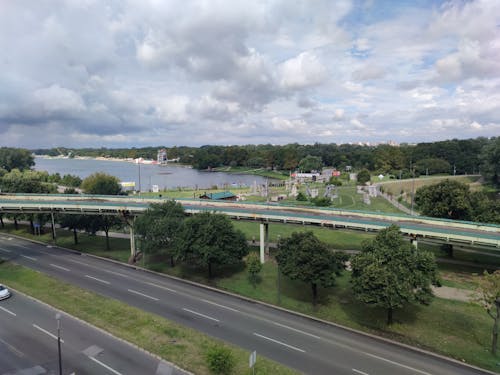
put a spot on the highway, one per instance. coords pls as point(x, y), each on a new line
point(309, 346)
point(28, 345)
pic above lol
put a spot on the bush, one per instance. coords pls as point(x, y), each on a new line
point(220, 360)
point(301, 197)
point(335, 181)
point(254, 266)
point(322, 202)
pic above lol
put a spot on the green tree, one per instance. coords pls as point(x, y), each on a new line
point(15, 158)
point(304, 257)
point(101, 183)
point(363, 177)
point(432, 166)
point(71, 180)
point(254, 266)
point(311, 163)
point(208, 239)
point(158, 228)
point(448, 199)
point(490, 161)
point(390, 272)
point(28, 181)
point(489, 298)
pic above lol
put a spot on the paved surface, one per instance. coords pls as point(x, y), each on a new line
point(28, 345)
point(301, 343)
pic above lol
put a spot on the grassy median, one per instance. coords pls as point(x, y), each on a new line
point(175, 343)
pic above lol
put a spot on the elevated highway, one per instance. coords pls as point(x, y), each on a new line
point(460, 232)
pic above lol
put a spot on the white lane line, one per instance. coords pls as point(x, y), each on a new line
point(13, 349)
point(7, 251)
point(161, 287)
point(397, 364)
point(116, 273)
point(200, 314)
point(297, 330)
point(30, 258)
point(60, 267)
point(7, 311)
point(96, 279)
point(222, 306)
point(279, 342)
point(142, 294)
point(46, 332)
point(105, 366)
point(24, 247)
point(360, 372)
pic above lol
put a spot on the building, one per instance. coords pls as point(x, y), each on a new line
point(162, 156)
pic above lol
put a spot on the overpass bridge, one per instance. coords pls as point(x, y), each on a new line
point(450, 231)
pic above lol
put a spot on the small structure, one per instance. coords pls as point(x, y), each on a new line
point(373, 190)
point(221, 196)
point(162, 156)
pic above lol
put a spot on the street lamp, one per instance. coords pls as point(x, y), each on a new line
point(58, 318)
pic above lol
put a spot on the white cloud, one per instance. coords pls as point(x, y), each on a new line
point(302, 71)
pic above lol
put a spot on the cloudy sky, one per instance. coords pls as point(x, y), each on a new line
point(191, 72)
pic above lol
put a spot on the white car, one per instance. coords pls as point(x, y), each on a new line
point(4, 292)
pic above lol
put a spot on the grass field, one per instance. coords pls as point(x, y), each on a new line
point(404, 188)
point(183, 346)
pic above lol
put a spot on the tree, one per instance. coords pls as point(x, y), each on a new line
point(311, 163)
point(254, 267)
point(208, 239)
point(490, 161)
point(26, 182)
point(15, 158)
point(304, 257)
point(101, 183)
point(489, 298)
point(363, 177)
point(390, 272)
point(448, 199)
point(158, 228)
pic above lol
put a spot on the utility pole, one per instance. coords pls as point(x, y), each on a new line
point(58, 318)
point(139, 164)
point(412, 187)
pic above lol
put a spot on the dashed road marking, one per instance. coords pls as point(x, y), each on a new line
point(142, 294)
point(280, 342)
point(96, 279)
point(200, 314)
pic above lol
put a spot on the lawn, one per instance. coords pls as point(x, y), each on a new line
point(183, 346)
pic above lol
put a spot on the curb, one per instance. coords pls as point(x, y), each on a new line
point(296, 313)
point(102, 331)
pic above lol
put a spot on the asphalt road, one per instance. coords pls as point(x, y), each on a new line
point(301, 343)
point(28, 345)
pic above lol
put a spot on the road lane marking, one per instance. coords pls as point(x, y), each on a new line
point(96, 279)
point(24, 247)
point(142, 294)
point(7, 251)
point(105, 366)
point(161, 287)
point(397, 363)
point(222, 306)
point(12, 348)
point(200, 314)
point(296, 330)
point(7, 311)
point(60, 267)
point(30, 258)
point(116, 273)
point(46, 332)
point(360, 372)
point(279, 342)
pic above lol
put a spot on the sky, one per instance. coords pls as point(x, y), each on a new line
point(95, 73)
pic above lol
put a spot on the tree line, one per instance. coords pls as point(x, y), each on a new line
point(466, 156)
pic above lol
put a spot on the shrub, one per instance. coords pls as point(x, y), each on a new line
point(322, 201)
point(254, 267)
point(220, 360)
point(301, 197)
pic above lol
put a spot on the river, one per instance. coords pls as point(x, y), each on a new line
point(147, 175)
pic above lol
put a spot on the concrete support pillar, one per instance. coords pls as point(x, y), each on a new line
point(415, 243)
point(264, 243)
point(132, 238)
